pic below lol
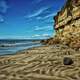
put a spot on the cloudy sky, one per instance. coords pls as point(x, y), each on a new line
point(28, 18)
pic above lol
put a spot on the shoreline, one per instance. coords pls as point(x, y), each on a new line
point(38, 63)
point(19, 51)
point(17, 48)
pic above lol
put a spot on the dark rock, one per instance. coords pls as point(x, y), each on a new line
point(67, 61)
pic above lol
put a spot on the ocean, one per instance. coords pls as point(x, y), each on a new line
point(10, 46)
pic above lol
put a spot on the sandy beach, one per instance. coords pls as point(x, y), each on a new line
point(41, 63)
point(48, 62)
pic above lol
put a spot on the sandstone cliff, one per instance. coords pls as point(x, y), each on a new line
point(67, 25)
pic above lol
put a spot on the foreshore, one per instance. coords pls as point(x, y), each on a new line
point(41, 63)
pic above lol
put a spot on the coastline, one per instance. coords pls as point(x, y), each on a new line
point(18, 46)
point(47, 62)
point(38, 63)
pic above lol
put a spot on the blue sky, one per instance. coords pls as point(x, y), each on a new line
point(28, 18)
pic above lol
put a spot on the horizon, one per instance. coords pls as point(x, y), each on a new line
point(28, 19)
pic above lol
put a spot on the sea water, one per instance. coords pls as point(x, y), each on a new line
point(12, 46)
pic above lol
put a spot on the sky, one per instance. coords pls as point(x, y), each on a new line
point(28, 19)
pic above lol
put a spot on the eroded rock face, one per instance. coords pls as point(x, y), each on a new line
point(68, 13)
point(67, 24)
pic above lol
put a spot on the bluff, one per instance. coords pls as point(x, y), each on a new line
point(67, 25)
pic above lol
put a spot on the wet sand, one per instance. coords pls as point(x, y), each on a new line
point(41, 63)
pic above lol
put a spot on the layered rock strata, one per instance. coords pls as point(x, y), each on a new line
point(67, 25)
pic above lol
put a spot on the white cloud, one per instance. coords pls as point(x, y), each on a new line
point(50, 15)
point(43, 28)
point(36, 35)
point(3, 6)
point(41, 36)
point(38, 18)
point(3, 9)
point(1, 19)
point(47, 16)
point(38, 12)
point(46, 35)
point(14, 37)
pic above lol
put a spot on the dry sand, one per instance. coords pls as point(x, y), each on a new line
point(41, 63)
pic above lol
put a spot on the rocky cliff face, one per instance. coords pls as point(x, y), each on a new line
point(67, 25)
point(69, 13)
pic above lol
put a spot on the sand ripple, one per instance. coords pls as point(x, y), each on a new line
point(41, 63)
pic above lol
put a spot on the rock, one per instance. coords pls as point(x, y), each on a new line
point(67, 24)
point(67, 61)
point(51, 41)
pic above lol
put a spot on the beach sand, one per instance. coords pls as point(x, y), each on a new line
point(41, 63)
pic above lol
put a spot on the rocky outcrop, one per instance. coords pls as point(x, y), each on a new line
point(67, 25)
point(70, 12)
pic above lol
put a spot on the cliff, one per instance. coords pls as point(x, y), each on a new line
point(67, 25)
point(70, 12)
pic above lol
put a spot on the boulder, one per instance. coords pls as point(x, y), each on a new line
point(67, 61)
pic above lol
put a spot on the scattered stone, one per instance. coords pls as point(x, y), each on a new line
point(67, 61)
